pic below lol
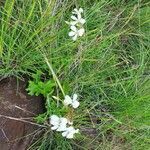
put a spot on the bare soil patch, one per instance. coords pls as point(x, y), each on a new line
point(16, 103)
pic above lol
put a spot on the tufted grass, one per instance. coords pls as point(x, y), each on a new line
point(108, 67)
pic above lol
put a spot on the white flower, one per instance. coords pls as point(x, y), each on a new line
point(77, 20)
point(77, 17)
point(76, 24)
point(76, 11)
point(59, 124)
point(75, 32)
point(69, 132)
point(71, 101)
point(54, 120)
point(62, 125)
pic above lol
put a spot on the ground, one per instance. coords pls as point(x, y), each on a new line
point(17, 110)
point(108, 67)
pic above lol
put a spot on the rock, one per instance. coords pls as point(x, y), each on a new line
point(15, 107)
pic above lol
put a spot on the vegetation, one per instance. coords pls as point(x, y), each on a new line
point(108, 67)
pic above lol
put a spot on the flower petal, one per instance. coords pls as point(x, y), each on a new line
point(81, 32)
point(63, 120)
point(75, 11)
point(75, 37)
point(70, 131)
point(54, 117)
point(73, 23)
point(54, 120)
point(61, 128)
point(54, 127)
point(82, 21)
point(71, 33)
point(73, 28)
point(81, 10)
point(70, 135)
point(79, 16)
point(74, 18)
point(67, 100)
point(64, 134)
point(54, 123)
point(75, 104)
point(75, 96)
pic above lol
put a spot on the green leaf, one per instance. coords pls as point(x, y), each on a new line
point(37, 87)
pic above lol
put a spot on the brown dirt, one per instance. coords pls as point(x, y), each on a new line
point(16, 103)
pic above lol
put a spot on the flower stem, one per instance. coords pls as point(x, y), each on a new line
point(54, 75)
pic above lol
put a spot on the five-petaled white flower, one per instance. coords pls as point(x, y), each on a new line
point(71, 101)
point(76, 11)
point(76, 25)
point(77, 17)
point(69, 132)
point(75, 32)
point(59, 124)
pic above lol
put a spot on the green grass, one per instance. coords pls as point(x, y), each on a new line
point(108, 67)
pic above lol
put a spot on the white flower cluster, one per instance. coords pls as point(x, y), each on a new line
point(61, 124)
point(71, 101)
point(76, 25)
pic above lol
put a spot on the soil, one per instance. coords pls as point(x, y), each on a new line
point(15, 106)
